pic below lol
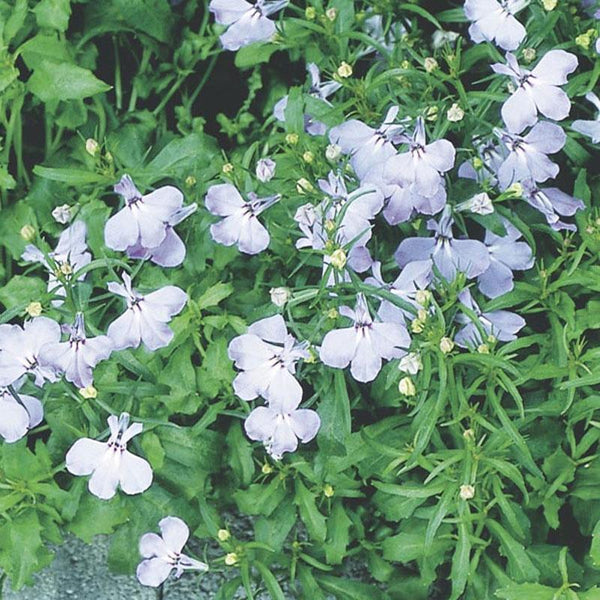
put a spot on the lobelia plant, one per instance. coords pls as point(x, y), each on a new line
point(329, 272)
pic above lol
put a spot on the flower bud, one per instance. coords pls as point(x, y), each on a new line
point(407, 387)
point(328, 490)
point(292, 138)
point(467, 492)
point(308, 157)
point(483, 349)
point(280, 295)
point(333, 152)
point(66, 268)
point(549, 4)
point(227, 168)
point(455, 113)
point(89, 392)
point(432, 113)
point(310, 13)
point(62, 214)
point(469, 435)
point(422, 314)
point(266, 469)
point(480, 204)
point(92, 147)
point(331, 14)
point(332, 313)
point(28, 233)
point(417, 326)
point(34, 309)
point(330, 226)
point(344, 70)
point(303, 185)
point(411, 363)
point(223, 535)
point(446, 345)
point(516, 189)
point(265, 169)
point(430, 64)
point(423, 297)
point(338, 259)
point(231, 559)
point(190, 181)
point(529, 54)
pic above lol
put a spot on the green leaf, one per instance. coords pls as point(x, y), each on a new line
point(334, 410)
point(461, 566)
point(309, 513)
point(52, 81)
point(21, 290)
point(338, 538)
point(520, 566)
point(53, 14)
point(348, 589)
point(214, 295)
point(254, 54)
point(272, 585)
point(595, 547)
point(527, 591)
point(70, 176)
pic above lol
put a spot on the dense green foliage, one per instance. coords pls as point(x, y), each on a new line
point(380, 485)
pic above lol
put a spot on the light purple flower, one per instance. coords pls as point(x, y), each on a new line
point(552, 202)
point(145, 320)
point(267, 357)
point(318, 89)
point(265, 169)
point(537, 90)
point(502, 325)
point(494, 21)
point(415, 276)
point(449, 254)
point(162, 553)
point(70, 255)
point(240, 225)
point(18, 414)
point(280, 424)
point(79, 355)
point(248, 23)
point(492, 156)
point(20, 350)
point(171, 251)
point(418, 175)
point(110, 463)
point(590, 128)
point(368, 146)
point(507, 254)
point(365, 344)
point(528, 156)
point(143, 220)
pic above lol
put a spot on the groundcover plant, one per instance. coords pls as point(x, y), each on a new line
point(325, 268)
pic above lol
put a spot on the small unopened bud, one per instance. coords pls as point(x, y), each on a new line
point(66, 268)
point(407, 387)
point(338, 259)
point(292, 138)
point(430, 64)
point(477, 163)
point(330, 226)
point(227, 168)
point(267, 469)
point(432, 113)
point(422, 314)
point(423, 297)
point(89, 392)
point(62, 214)
point(28, 233)
point(34, 309)
point(405, 64)
point(331, 14)
point(223, 535)
point(190, 181)
point(280, 295)
point(491, 339)
point(231, 559)
point(411, 363)
point(308, 157)
point(333, 152)
point(332, 313)
point(310, 13)
point(529, 54)
point(446, 345)
point(455, 113)
point(344, 70)
point(469, 435)
point(516, 189)
point(328, 490)
point(417, 326)
point(467, 492)
point(549, 4)
point(584, 41)
point(265, 169)
point(483, 349)
point(92, 147)
point(303, 185)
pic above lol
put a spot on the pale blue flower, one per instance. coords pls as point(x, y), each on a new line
point(18, 414)
point(280, 425)
point(240, 225)
point(590, 128)
point(552, 203)
point(162, 553)
point(109, 463)
point(145, 320)
point(247, 23)
point(364, 345)
point(494, 21)
point(537, 90)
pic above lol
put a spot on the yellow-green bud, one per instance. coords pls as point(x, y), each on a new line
point(28, 233)
point(446, 345)
point(407, 387)
point(467, 492)
point(89, 392)
point(308, 157)
point(344, 70)
point(34, 309)
point(92, 147)
point(430, 64)
point(292, 138)
point(338, 259)
point(231, 559)
point(310, 13)
point(227, 168)
point(223, 535)
point(328, 490)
